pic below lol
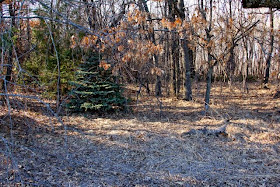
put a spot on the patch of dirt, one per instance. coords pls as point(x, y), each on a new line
point(146, 147)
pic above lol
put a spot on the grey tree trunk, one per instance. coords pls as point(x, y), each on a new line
point(9, 64)
point(175, 64)
point(249, 56)
point(231, 61)
point(28, 36)
point(208, 87)
point(231, 66)
point(188, 84)
point(210, 58)
point(268, 60)
point(173, 11)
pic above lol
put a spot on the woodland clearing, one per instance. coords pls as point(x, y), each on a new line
point(146, 147)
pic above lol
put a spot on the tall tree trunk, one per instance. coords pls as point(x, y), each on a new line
point(248, 51)
point(9, 64)
point(175, 63)
point(188, 84)
point(231, 66)
point(58, 86)
point(268, 60)
point(28, 37)
point(2, 38)
point(231, 61)
point(167, 64)
point(176, 78)
point(210, 58)
point(152, 37)
point(187, 58)
point(208, 86)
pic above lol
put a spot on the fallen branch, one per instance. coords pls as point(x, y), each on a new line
point(208, 132)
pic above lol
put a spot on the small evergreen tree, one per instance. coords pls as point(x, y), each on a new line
point(95, 89)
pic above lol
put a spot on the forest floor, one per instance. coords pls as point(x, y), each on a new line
point(146, 147)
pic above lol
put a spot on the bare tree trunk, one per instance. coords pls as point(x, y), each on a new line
point(208, 86)
point(9, 64)
point(90, 12)
point(28, 36)
point(152, 37)
point(188, 84)
point(176, 78)
point(175, 63)
point(231, 61)
point(248, 51)
point(210, 58)
point(167, 64)
point(268, 60)
point(231, 66)
point(2, 38)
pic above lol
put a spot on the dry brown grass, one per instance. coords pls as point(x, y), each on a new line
point(145, 148)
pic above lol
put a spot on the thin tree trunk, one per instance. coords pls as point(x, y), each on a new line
point(268, 60)
point(231, 62)
point(9, 64)
point(2, 39)
point(28, 35)
point(208, 87)
point(175, 63)
point(209, 60)
point(246, 66)
point(176, 79)
point(152, 37)
point(167, 64)
point(231, 66)
point(178, 69)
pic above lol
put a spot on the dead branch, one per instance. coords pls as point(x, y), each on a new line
point(208, 132)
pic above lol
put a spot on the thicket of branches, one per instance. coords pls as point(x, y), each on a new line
point(167, 44)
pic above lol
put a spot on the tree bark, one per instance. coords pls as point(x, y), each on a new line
point(231, 66)
point(210, 58)
point(188, 84)
point(268, 60)
point(9, 65)
point(208, 86)
point(173, 11)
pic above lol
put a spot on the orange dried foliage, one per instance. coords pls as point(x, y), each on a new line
point(177, 24)
point(120, 48)
point(104, 65)
point(34, 23)
point(157, 71)
point(178, 21)
point(88, 41)
point(73, 41)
